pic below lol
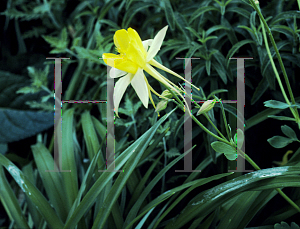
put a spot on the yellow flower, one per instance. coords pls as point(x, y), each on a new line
point(134, 58)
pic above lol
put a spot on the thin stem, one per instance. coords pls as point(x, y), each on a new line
point(196, 120)
point(277, 189)
point(224, 117)
point(279, 59)
point(274, 68)
point(287, 198)
point(214, 126)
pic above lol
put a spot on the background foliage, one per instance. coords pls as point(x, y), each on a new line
point(149, 194)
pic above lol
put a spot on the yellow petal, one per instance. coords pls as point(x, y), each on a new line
point(135, 38)
point(121, 40)
point(109, 58)
point(126, 66)
point(136, 55)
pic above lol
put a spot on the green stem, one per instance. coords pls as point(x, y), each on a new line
point(214, 126)
point(224, 117)
point(181, 106)
point(274, 68)
point(294, 109)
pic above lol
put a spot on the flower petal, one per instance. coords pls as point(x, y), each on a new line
point(120, 89)
point(121, 40)
point(156, 44)
point(109, 58)
point(135, 38)
point(115, 73)
point(147, 43)
point(136, 55)
point(126, 66)
point(140, 86)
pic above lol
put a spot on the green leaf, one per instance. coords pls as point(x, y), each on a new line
point(285, 15)
point(169, 13)
point(248, 29)
point(208, 66)
point(235, 48)
point(173, 152)
point(215, 28)
point(32, 193)
point(133, 11)
point(70, 179)
point(239, 10)
point(59, 43)
point(32, 177)
point(87, 54)
point(191, 186)
point(216, 92)
point(13, 13)
point(260, 90)
point(201, 11)
point(222, 147)
point(130, 108)
point(194, 32)
point(276, 104)
point(32, 122)
point(279, 141)
point(181, 22)
point(91, 138)
point(10, 202)
point(208, 201)
point(288, 131)
point(239, 211)
point(230, 157)
point(284, 225)
point(220, 70)
point(132, 155)
point(281, 118)
point(239, 138)
point(52, 181)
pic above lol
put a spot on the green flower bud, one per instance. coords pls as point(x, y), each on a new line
point(161, 105)
point(206, 106)
point(167, 94)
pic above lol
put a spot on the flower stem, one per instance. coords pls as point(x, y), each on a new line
point(265, 26)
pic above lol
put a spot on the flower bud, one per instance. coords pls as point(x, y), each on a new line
point(206, 106)
point(167, 94)
point(161, 105)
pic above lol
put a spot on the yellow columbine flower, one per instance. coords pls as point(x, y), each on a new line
point(133, 59)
